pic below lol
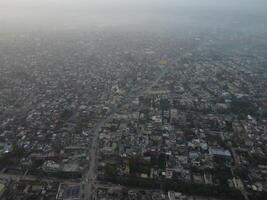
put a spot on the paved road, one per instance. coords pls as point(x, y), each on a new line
point(91, 174)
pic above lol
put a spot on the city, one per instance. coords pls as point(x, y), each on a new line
point(128, 115)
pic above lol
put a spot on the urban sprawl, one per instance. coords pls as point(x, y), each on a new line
point(133, 117)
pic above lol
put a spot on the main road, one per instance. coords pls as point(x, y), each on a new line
point(90, 176)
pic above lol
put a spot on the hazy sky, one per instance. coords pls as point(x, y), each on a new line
point(45, 14)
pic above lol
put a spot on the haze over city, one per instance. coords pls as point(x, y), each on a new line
point(133, 99)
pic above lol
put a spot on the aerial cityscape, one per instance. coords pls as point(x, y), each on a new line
point(116, 113)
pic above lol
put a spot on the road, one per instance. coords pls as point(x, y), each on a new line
point(91, 174)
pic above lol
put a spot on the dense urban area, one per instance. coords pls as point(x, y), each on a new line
point(133, 116)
